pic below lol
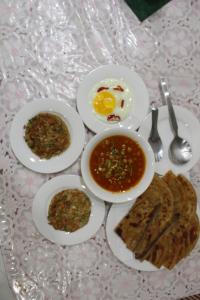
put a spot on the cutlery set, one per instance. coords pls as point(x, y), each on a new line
point(180, 151)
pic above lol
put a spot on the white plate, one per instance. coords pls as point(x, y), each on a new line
point(189, 128)
point(40, 211)
point(140, 103)
point(116, 214)
point(59, 162)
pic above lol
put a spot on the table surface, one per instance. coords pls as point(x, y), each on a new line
point(5, 291)
point(46, 49)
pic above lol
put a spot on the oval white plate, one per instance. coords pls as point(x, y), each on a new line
point(140, 104)
point(189, 128)
point(133, 192)
point(59, 162)
point(41, 204)
point(118, 247)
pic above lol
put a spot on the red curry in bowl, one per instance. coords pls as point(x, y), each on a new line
point(117, 163)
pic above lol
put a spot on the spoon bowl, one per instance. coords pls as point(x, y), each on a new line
point(180, 151)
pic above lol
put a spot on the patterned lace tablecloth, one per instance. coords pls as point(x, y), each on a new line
point(46, 49)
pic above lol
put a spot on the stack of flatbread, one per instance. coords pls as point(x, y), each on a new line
point(162, 226)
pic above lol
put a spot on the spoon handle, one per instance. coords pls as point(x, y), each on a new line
point(172, 115)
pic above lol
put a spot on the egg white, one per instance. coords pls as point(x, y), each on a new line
point(125, 95)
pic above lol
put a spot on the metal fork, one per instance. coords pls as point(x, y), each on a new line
point(154, 138)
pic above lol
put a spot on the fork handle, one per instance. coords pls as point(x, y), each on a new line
point(154, 130)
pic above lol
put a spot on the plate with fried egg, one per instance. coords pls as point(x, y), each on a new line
point(112, 96)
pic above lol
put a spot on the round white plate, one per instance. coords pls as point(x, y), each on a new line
point(59, 162)
point(41, 204)
point(189, 128)
point(116, 214)
point(140, 104)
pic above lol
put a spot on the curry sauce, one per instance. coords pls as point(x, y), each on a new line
point(117, 163)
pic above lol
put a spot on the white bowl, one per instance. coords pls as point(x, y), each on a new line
point(134, 192)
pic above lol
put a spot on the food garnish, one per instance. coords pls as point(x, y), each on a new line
point(113, 117)
point(102, 88)
point(118, 88)
point(69, 210)
point(47, 135)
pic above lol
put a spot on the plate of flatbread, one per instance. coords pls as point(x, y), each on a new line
point(159, 228)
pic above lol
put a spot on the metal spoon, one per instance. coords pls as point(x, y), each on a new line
point(154, 138)
point(180, 151)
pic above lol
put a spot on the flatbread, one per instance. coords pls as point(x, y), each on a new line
point(189, 200)
point(143, 228)
point(185, 199)
point(176, 244)
point(133, 225)
point(165, 198)
point(175, 186)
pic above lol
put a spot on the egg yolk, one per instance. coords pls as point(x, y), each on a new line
point(104, 103)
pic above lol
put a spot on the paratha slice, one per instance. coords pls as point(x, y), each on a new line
point(185, 200)
point(189, 200)
point(132, 225)
point(162, 219)
point(159, 252)
point(152, 245)
point(175, 186)
point(183, 238)
point(176, 244)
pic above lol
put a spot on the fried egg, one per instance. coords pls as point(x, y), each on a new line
point(111, 100)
